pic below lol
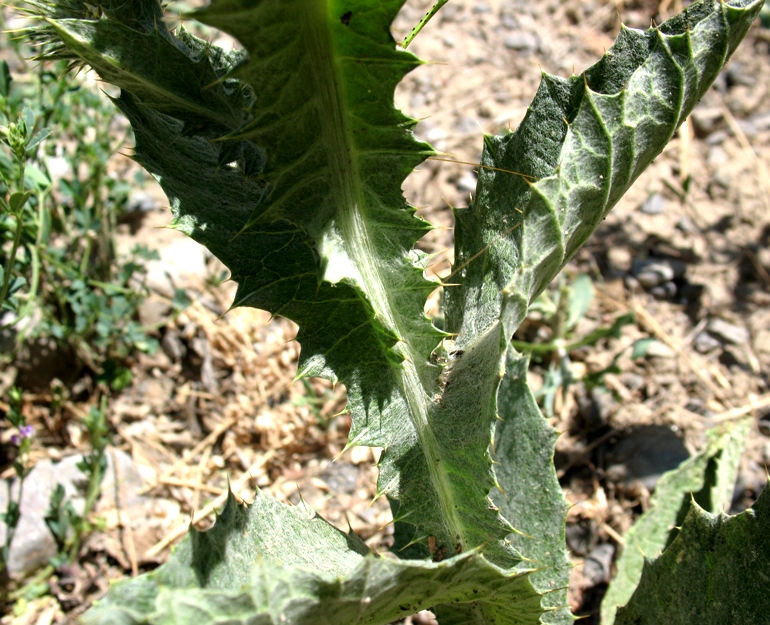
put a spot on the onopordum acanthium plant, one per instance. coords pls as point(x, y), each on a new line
point(286, 160)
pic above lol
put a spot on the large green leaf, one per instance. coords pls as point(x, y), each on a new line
point(241, 572)
point(302, 201)
point(708, 479)
point(582, 143)
point(717, 571)
point(530, 492)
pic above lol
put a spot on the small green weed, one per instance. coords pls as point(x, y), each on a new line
point(558, 311)
point(60, 206)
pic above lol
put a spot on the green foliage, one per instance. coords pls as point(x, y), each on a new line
point(68, 526)
point(59, 208)
point(529, 492)
point(23, 440)
point(705, 480)
point(238, 572)
point(715, 572)
point(562, 308)
point(286, 160)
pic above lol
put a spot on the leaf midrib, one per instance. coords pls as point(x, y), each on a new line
point(352, 222)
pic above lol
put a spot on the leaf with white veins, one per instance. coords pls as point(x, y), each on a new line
point(240, 572)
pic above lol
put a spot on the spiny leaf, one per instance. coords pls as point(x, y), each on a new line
point(240, 572)
point(708, 478)
point(530, 493)
point(585, 140)
point(715, 572)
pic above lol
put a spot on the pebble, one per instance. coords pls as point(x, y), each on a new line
point(658, 349)
point(706, 119)
point(644, 454)
point(341, 478)
point(434, 135)
point(736, 74)
point(597, 407)
point(597, 567)
point(467, 183)
point(655, 204)
point(509, 21)
point(652, 272)
point(141, 201)
point(33, 545)
point(729, 332)
point(154, 311)
point(182, 264)
point(581, 536)
point(450, 12)
point(705, 343)
point(665, 291)
point(521, 42)
point(620, 258)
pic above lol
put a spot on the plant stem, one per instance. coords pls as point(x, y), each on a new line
point(11, 259)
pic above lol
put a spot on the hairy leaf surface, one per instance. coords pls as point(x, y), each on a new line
point(530, 492)
point(715, 572)
point(241, 572)
point(707, 479)
point(582, 143)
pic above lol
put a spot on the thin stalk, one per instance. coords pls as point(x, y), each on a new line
point(9, 264)
point(11, 528)
point(40, 243)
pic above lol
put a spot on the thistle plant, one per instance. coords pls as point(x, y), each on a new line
point(286, 160)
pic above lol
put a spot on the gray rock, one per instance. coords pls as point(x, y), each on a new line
point(521, 42)
point(154, 311)
point(728, 332)
point(467, 184)
point(341, 478)
point(182, 264)
point(33, 545)
point(450, 12)
point(644, 454)
point(597, 567)
point(760, 122)
point(652, 272)
point(665, 291)
point(655, 204)
point(141, 201)
point(706, 120)
point(509, 21)
point(705, 343)
point(736, 74)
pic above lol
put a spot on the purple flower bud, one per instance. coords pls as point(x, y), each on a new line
point(25, 431)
